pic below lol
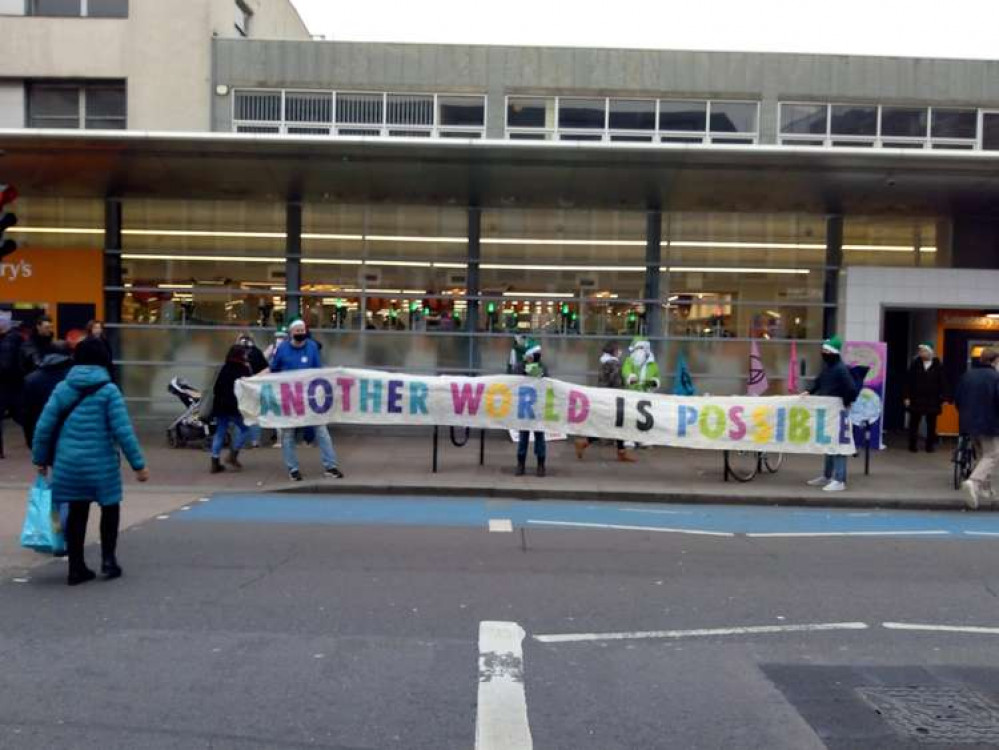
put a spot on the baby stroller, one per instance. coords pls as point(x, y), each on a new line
point(189, 427)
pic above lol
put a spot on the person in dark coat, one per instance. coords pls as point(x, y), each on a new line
point(95, 330)
point(258, 363)
point(83, 427)
point(38, 386)
point(11, 378)
point(925, 393)
point(39, 343)
point(609, 376)
point(977, 401)
point(225, 409)
point(836, 380)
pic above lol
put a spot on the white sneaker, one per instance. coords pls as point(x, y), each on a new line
point(971, 490)
point(818, 482)
point(834, 486)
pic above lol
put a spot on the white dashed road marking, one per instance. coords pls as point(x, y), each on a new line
point(500, 525)
point(618, 527)
point(501, 720)
point(972, 629)
point(812, 534)
point(702, 633)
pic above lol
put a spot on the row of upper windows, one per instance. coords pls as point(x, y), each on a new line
point(77, 8)
point(612, 119)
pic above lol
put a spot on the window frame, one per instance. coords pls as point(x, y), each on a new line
point(608, 134)
point(384, 128)
point(82, 89)
point(31, 11)
point(879, 140)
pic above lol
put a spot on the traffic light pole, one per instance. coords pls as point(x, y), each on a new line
point(293, 261)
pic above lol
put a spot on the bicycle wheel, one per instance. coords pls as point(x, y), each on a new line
point(742, 465)
point(773, 461)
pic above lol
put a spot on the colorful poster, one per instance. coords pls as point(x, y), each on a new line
point(869, 407)
point(790, 424)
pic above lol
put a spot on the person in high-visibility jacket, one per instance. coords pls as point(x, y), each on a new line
point(640, 370)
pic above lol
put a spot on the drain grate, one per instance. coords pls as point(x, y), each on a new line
point(935, 714)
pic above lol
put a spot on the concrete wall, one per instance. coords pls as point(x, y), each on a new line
point(165, 55)
point(498, 71)
point(869, 290)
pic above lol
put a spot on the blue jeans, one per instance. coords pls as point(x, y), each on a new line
point(255, 433)
point(540, 448)
point(835, 468)
point(326, 451)
point(222, 427)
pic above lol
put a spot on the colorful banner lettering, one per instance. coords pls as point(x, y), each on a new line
point(789, 424)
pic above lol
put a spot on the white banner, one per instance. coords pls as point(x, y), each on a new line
point(788, 424)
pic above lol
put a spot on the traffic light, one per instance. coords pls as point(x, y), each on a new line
point(8, 194)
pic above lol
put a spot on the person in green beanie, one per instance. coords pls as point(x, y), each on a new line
point(925, 392)
point(531, 366)
point(640, 370)
point(835, 380)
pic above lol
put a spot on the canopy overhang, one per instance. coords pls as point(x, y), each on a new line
point(751, 178)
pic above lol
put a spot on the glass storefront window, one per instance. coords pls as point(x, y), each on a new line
point(734, 117)
point(903, 122)
point(581, 113)
point(806, 119)
point(530, 112)
point(849, 119)
point(954, 123)
point(679, 116)
point(203, 263)
point(632, 114)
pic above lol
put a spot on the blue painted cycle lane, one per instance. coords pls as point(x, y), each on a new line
point(470, 512)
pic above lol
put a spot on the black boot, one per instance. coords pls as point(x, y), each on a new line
point(110, 519)
point(521, 469)
point(233, 460)
point(541, 467)
point(217, 467)
point(76, 532)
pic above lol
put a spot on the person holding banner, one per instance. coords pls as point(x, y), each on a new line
point(834, 380)
point(609, 376)
point(302, 353)
point(531, 366)
point(640, 371)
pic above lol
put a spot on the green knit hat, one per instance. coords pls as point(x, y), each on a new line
point(832, 345)
point(926, 345)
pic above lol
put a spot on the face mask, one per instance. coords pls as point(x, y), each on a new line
point(639, 356)
point(300, 337)
point(829, 359)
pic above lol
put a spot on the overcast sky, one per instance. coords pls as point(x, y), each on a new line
point(923, 28)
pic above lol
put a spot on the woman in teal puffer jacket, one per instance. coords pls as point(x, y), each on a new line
point(83, 454)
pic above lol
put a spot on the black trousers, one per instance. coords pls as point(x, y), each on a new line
point(76, 532)
point(592, 440)
point(931, 429)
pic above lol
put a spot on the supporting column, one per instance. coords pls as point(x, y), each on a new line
point(293, 261)
point(834, 263)
point(653, 261)
point(472, 285)
point(113, 277)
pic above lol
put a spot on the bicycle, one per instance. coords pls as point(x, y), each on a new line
point(743, 466)
point(964, 458)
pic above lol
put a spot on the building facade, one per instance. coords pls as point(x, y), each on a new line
point(418, 204)
point(123, 64)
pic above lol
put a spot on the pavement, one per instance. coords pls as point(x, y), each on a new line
point(374, 621)
point(379, 461)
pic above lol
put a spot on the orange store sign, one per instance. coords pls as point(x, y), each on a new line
point(50, 276)
point(11, 272)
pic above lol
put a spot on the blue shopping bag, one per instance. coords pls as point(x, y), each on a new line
point(43, 524)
